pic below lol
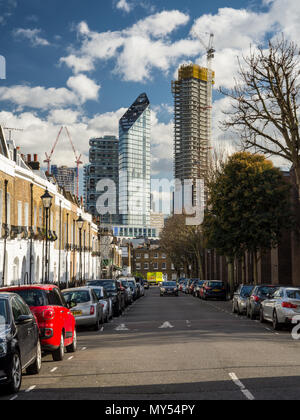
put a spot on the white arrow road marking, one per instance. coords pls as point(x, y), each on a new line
point(166, 325)
point(188, 324)
point(121, 327)
point(30, 388)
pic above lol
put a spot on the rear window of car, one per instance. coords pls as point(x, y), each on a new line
point(266, 290)
point(169, 284)
point(216, 284)
point(34, 297)
point(107, 284)
point(293, 294)
point(79, 296)
point(99, 293)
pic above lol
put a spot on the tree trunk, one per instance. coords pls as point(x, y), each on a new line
point(243, 269)
point(255, 268)
point(297, 174)
point(200, 266)
point(230, 262)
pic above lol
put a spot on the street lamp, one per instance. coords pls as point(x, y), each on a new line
point(80, 223)
point(47, 203)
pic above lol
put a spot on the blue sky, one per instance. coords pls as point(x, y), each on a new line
point(82, 63)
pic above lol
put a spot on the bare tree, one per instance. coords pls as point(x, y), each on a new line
point(265, 106)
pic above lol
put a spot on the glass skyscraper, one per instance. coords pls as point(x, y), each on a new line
point(134, 164)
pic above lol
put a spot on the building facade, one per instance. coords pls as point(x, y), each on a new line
point(73, 253)
point(104, 165)
point(65, 177)
point(192, 128)
point(152, 259)
point(134, 164)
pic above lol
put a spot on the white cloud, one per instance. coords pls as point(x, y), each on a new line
point(136, 50)
point(124, 5)
point(33, 35)
point(86, 88)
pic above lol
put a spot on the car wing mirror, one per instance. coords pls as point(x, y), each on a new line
point(22, 319)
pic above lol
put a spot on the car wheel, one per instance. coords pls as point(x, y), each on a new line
point(36, 367)
point(58, 355)
point(251, 315)
point(276, 324)
point(261, 316)
point(73, 347)
point(15, 375)
point(97, 325)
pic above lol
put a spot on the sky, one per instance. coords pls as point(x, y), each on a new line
point(83, 63)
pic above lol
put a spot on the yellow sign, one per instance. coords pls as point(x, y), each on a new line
point(155, 277)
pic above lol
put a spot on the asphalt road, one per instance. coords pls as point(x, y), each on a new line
point(173, 349)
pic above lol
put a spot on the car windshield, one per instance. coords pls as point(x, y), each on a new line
point(109, 285)
point(169, 284)
point(79, 296)
point(132, 283)
point(246, 291)
point(293, 294)
point(215, 284)
point(99, 293)
point(267, 290)
point(4, 314)
point(34, 297)
point(125, 284)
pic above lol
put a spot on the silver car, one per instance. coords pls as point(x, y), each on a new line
point(282, 307)
point(85, 307)
point(105, 301)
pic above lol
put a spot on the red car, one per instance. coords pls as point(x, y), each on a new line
point(56, 322)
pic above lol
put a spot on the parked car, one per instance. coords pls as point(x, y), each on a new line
point(133, 285)
point(192, 285)
point(213, 289)
point(112, 289)
point(20, 346)
point(197, 288)
point(105, 301)
point(240, 297)
point(258, 295)
point(128, 291)
point(55, 320)
point(146, 285)
point(85, 307)
point(140, 282)
point(169, 288)
point(281, 307)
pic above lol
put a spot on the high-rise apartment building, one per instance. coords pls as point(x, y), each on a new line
point(66, 177)
point(104, 165)
point(192, 109)
point(134, 164)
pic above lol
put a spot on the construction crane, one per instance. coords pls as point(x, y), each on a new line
point(49, 157)
point(77, 160)
point(10, 130)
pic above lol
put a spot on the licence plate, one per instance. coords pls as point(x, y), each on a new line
point(77, 313)
point(216, 290)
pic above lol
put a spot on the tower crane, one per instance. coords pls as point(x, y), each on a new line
point(10, 130)
point(49, 157)
point(77, 159)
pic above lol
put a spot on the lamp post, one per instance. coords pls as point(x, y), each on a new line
point(47, 203)
point(80, 223)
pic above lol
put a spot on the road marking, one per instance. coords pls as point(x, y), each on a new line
point(121, 327)
point(53, 370)
point(238, 383)
point(30, 388)
point(102, 329)
point(71, 357)
point(166, 325)
point(83, 348)
point(189, 324)
point(13, 398)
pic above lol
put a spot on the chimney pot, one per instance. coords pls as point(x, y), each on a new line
point(28, 158)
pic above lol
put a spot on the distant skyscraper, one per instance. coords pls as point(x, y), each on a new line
point(192, 137)
point(65, 177)
point(134, 164)
point(104, 164)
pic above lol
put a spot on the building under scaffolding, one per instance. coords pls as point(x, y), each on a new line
point(193, 109)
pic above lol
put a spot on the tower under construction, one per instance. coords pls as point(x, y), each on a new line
point(193, 110)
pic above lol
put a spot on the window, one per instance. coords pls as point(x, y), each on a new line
point(156, 255)
point(146, 256)
point(146, 266)
point(164, 266)
point(138, 266)
point(55, 298)
point(155, 266)
point(26, 215)
point(138, 256)
point(164, 256)
point(20, 223)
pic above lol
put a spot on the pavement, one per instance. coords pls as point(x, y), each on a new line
point(176, 349)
